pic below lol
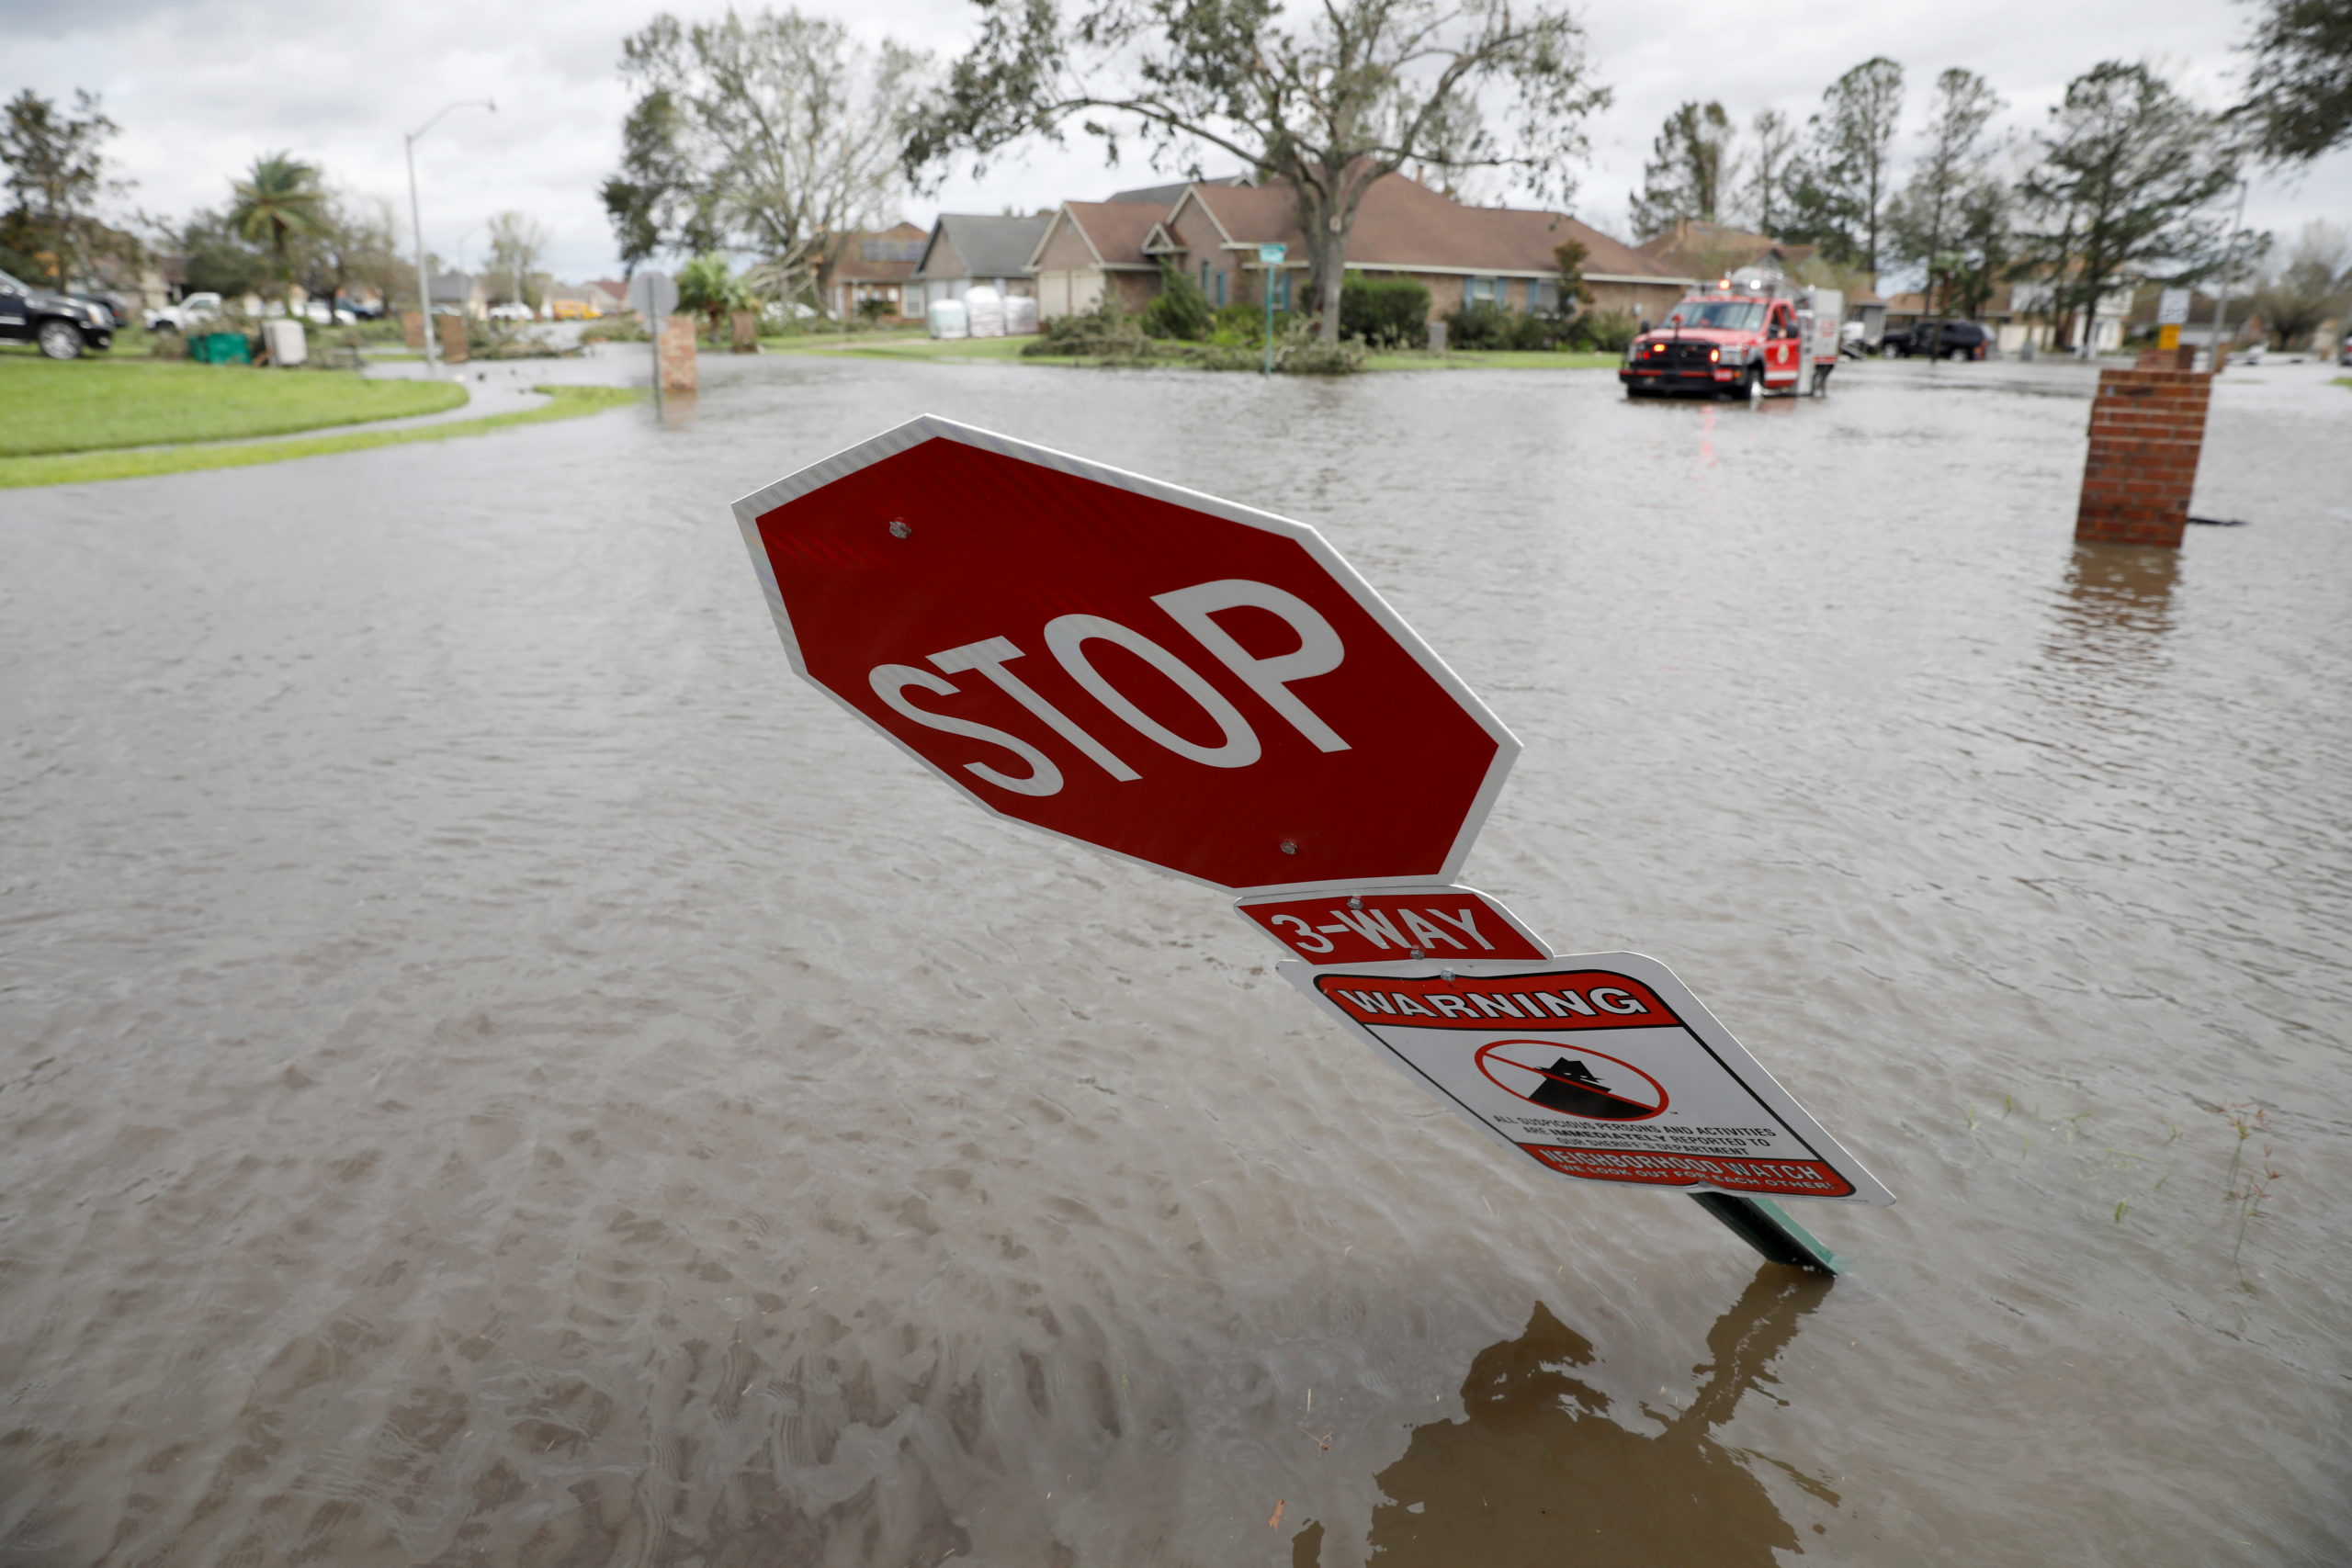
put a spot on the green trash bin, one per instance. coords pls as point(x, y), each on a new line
point(220, 348)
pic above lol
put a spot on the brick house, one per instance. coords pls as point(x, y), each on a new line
point(968, 250)
point(1403, 230)
point(1091, 248)
point(877, 265)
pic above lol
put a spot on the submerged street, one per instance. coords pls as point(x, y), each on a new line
point(495, 1069)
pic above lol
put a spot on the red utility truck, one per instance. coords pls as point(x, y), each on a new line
point(1739, 340)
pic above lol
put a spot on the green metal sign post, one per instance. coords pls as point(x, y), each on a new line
point(1271, 257)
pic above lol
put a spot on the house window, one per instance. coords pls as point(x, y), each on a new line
point(1542, 294)
point(1279, 282)
point(1204, 278)
point(1220, 288)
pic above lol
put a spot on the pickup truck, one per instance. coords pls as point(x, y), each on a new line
point(180, 317)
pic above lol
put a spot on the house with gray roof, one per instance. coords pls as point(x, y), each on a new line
point(966, 251)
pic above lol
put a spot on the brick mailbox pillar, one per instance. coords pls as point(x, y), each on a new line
point(453, 338)
point(673, 354)
point(2147, 430)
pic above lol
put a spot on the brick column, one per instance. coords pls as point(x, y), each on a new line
point(453, 339)
point(2147, 429)
point(673, 354)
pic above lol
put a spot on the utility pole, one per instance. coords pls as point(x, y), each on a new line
point(416, 224)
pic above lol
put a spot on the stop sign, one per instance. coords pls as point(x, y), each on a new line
point(1170, 677)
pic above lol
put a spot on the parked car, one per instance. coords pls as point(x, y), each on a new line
point(513, 314)
point(321, 314)
point(61, 326)
point(1940, 340)
point(118, 317)
point(2344, 351)
point(178, 317)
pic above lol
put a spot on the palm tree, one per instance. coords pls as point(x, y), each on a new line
point(280, 202)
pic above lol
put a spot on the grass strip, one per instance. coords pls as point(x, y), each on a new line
point(92, 404)
point(84, 468)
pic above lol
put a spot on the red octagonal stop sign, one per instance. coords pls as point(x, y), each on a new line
point(1164, 675)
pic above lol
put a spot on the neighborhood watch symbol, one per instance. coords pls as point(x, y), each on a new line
point(1587, 1084)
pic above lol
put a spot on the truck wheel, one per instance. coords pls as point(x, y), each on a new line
point(60, 340)
point(1752, 386)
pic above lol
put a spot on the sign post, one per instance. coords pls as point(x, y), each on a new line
point(1271, 256)
point(1212, 691)
point(653, 295)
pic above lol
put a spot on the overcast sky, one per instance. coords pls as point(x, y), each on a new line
point(201, 86)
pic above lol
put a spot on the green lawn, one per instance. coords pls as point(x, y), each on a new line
point(98, 402)
point(15, 473)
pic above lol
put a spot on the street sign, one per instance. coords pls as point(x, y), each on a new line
point(1173, 678)
point(2172, 314)
point(1271, 253)
point(654, 296)
point(1373, 927)
point(1601, 1067)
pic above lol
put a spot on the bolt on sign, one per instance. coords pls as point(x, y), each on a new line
point(1186, 682)
point(1601, 1067)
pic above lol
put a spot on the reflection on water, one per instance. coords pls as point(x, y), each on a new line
point(1539, 1470)
point(2119, 600)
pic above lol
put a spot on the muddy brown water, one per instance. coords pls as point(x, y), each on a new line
point(497, 1072)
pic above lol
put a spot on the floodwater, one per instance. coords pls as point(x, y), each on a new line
point(493, 1071)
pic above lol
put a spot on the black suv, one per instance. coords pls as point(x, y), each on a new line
point(1940, 340)
point(63, 327)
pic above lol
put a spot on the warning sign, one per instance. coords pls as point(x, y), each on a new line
point(1602, 1067)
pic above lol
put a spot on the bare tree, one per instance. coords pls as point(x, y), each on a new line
point(1768, 170)
point(1328, 99)
point(1686, 172)
point(775, 133)
point(2313, 284)
point(517, 242)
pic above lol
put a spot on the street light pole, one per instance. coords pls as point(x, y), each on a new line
point(417, 225)
point(2222, 302)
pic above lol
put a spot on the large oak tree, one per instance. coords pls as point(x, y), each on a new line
point(1328, 99)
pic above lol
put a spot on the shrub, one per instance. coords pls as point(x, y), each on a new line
point(874, 310)
point(1181, 314)
point(1388, 312)
point(1240, 325)
point(1606, 332)
point(1106, 332)
point(1483, 324)
point(1307, 354)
